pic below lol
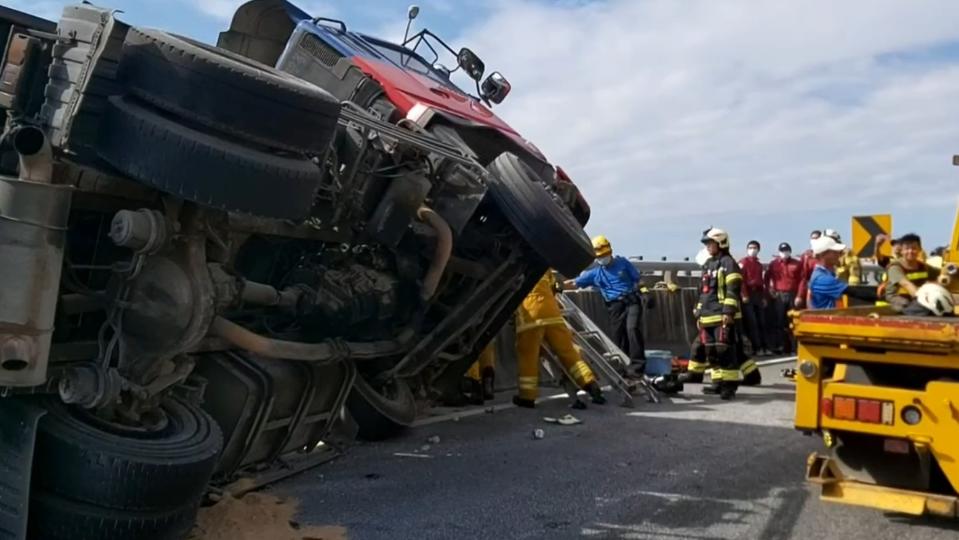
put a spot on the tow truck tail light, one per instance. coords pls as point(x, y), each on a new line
point(871, 411)
point(888, 413)
point(868, 410)
point(844, 408)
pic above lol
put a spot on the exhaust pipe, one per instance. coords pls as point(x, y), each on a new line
point(36, 157)
point(33, 224)
point(441, 255)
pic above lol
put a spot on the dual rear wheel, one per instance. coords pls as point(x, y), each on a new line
point(95, 479)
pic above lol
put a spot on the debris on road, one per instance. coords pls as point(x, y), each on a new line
point(567, 420)
point(258, 516)
point(538, 434)
point(435, 439)
point(425, 448)
point(407, 454)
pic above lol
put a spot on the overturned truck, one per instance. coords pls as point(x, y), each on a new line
point(213, 257)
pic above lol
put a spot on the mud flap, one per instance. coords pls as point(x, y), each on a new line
point(18, 434)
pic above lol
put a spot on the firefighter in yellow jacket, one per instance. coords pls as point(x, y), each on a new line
point(537, 319)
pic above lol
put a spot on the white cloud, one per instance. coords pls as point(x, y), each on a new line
point(659, 108)
point(224, 9)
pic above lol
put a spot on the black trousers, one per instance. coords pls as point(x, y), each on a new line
point(755, 319)
point(626, 319)
point(723, 350)
point(781, 335)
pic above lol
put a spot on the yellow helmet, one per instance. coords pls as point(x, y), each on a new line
point(601, 246)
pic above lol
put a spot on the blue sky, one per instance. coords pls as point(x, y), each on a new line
point(766, 118)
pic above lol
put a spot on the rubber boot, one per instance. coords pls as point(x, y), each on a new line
point(754, 378)
point(476, 392)
point(595, 393)
point(727, 390)
point(524, 403)
point(489, 383)
point(578, 404)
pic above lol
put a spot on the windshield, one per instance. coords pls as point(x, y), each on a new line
point(408, 59)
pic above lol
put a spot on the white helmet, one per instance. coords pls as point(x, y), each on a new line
point(936, 299)
point(716, 235)
point(834, 234)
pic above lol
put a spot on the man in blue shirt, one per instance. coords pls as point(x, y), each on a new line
point(619, 282)
point(825, 289)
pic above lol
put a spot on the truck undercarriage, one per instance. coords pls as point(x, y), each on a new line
point(210, 263)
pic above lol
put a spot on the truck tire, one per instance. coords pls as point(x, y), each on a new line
point(539, 216)
point(88, 461)
point(381, 413)
point(56, 518)
point(202, 168)
point(228, 93)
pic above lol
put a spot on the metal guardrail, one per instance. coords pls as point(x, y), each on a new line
point(687, 273)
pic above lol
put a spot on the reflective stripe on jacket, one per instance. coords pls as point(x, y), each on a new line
point(719, 292)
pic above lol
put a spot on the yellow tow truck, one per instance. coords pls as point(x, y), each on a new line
point(882, 390)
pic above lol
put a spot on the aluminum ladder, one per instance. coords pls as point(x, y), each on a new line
point(604, 357)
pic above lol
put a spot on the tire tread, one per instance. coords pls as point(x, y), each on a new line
point(228, 93)
point(208, 170)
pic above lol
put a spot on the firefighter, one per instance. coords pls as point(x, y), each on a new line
point(622, 289)
point(482, 376)
point(538, 319)
point(906, 274)
point(717, 312)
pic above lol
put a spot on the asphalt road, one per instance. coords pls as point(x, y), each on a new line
point(692, 467)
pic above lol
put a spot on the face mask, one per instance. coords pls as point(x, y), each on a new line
point(785, 254)
point(752, 252)
point(604, 261)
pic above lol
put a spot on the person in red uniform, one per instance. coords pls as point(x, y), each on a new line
point(808, 263)
point(782, 282)
point(754, 297)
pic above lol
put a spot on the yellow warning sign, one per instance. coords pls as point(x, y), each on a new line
point(865, 230)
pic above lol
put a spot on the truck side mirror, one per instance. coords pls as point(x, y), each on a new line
point(496, 88)
point(471, 63)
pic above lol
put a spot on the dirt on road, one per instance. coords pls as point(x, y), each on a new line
point(258, 516)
